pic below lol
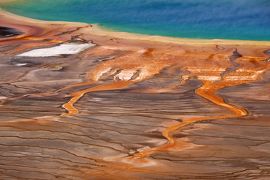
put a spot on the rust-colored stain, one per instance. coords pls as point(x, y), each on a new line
point(106, 146)
point(149, 63)
point(69, 106)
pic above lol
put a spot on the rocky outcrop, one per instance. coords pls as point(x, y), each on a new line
point(8, 32)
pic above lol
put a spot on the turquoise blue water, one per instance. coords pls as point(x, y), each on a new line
point(210, 19)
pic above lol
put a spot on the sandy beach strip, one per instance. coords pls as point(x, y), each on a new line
point(26, 25)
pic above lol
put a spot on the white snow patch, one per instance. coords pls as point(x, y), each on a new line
point(67, 49)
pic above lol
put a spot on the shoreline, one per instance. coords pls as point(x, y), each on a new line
point(97, 30)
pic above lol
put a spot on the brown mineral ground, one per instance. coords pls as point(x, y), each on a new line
point(115, 105)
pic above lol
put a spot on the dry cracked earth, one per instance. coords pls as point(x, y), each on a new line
point(127, 109)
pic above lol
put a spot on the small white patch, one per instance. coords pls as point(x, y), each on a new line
point(125, 75)
point(66, 49)
point(241, 78)
point(185, 77)
point(3, 97)
point(21, 64)
point(110, 47)
point(101, 73)
point(97, 99)
point(157, 142)
point(142, 75)
point(143, 149)
point(137, 162)
point(122, 48)
point(209, 78)
point(206, 69)
point(142, 51)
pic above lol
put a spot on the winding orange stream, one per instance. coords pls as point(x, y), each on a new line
point(247, 73)
point(208, 91)
point(69, 106)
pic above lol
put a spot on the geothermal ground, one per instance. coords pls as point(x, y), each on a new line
point(76, 103)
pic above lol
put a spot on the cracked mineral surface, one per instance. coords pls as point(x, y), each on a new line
point(127, 108)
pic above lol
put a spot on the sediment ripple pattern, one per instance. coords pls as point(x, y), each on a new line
point(132, 110)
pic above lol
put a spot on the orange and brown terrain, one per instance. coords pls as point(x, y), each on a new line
point(130, 106)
